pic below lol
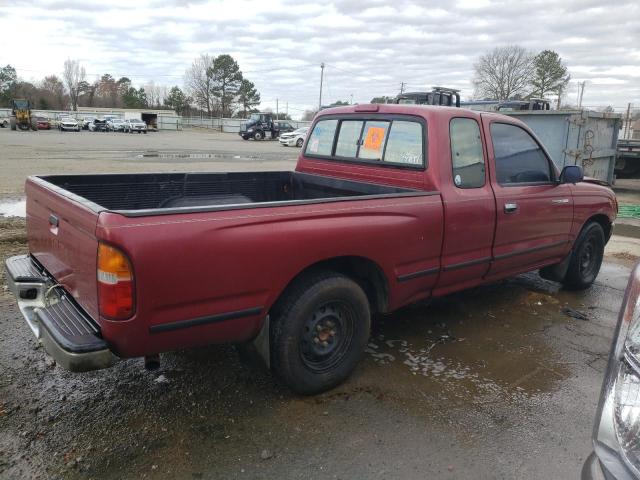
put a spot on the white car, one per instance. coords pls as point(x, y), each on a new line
point(115, 125)
point(86, 121)
point(68, 123)
point(295, 138)
point(135, 125)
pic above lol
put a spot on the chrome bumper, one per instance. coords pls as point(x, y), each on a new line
point(66, 333)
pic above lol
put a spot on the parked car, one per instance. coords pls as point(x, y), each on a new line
point(68, 123)
point(296, 137)
point(86, 121)
point(135, 125)
point(98, 125)
point(378, 214)
point(284, 127)
point(4, 122)
point(43, 123)
point(115, 125)
point(616, 437)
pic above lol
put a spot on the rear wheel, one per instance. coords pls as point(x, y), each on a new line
point(13, 124)
point(319, 332)
point(299, 143)
point(586, 258)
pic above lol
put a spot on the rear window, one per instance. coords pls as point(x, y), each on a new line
point(380, 141)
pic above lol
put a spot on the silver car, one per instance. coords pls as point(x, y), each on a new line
point(115, 125)
point(135, 125)
point(616, 436)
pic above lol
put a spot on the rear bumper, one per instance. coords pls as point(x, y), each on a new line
point(68, 334)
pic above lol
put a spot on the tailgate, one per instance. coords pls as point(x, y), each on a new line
point(61, 235)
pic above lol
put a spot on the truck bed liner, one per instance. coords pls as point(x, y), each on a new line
point(164, 193)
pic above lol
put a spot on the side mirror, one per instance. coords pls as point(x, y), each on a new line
point(571, 174)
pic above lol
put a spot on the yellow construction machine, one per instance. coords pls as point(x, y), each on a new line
point(21, 115)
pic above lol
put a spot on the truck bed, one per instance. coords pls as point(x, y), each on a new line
point(165, 193)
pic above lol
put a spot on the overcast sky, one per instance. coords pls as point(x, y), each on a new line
point(369, 47)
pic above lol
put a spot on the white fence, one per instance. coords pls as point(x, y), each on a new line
point(164, 122)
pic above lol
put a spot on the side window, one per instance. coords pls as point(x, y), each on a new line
point(321, 140)
point(404, 144)
point(348, 138)
point(519, 159)
point(467, 157)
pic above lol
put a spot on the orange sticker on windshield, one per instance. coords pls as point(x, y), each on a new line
point(374, 138)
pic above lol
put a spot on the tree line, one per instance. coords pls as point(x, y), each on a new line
point(212, 85)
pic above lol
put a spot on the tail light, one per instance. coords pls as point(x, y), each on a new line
point(115, 283)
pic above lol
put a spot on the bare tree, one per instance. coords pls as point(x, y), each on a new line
point(53, 92)
point(503, 72)
point(199, 82)
point(73, 75)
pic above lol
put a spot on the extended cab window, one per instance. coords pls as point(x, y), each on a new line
point(467, 157)
point(381, 141)
point(321, 139)
point(519, 158)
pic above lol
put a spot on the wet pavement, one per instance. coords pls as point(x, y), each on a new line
point(495, 382)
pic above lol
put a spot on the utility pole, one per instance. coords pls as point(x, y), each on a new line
point(627, 123)
point(287, 114)
point(401, 88)
point(277, 114)
point(559, 98)
point(321, 78)
point(351, 101)
point(581, 92)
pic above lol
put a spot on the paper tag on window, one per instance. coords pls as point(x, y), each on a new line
point(374, 138)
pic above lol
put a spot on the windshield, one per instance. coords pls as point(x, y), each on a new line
point(255, 117)
point(21, 104)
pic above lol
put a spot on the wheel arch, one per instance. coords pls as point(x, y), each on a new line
point(604, 221)
point(367, 273)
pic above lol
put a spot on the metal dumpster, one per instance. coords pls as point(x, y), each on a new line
point(577, 137)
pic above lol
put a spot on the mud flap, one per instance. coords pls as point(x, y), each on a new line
point(558, 271)
point(258, 351)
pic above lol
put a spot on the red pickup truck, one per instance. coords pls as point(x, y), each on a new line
point(389, 204)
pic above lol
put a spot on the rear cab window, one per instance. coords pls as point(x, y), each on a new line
point(396, 140)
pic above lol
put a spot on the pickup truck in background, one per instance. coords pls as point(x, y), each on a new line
point(388, 205)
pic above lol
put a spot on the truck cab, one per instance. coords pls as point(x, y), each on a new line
point(260, 126)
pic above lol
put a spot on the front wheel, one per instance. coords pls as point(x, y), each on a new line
point(299, 143)
point(258, 136)
point(586, 258)
point(319, 332)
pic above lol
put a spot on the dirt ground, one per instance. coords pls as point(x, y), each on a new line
point(494, 382)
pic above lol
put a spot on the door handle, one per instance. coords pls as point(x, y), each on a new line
point(560, 201)
point(510, 207)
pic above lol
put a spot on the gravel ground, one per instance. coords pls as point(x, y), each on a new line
point(495, 382)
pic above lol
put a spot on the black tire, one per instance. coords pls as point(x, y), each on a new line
point(14, 125)
point(244, 137)
point(299, 143)
point(586, 258)
point(258, 136)
point(319, 331)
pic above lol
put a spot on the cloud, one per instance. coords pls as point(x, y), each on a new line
point(368, 48)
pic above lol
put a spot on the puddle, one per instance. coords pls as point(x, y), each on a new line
point(476, 347)
point(194, 156)
point(13, 208)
